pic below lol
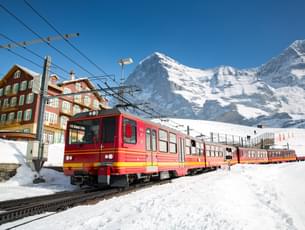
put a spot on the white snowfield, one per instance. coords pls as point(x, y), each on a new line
point(247, 197)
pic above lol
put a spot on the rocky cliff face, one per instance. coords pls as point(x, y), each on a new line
point(273, 94)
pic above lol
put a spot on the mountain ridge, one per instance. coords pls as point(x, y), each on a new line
point(273, 93)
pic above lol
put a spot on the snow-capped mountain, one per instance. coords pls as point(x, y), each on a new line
point(272, 94)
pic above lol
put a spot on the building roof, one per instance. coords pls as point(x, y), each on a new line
point(30, 72)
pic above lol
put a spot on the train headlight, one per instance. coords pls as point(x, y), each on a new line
point(69, 158)
point(109, 156)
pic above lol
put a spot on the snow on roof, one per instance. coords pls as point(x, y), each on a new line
point(31, 72)
point(75, 80)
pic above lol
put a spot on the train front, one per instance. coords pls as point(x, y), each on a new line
point(87, 135)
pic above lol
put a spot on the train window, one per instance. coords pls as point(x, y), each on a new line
point(163, 141)
point(187, 146)
point(172, 143)
point(193, 147)
point(83, 132)
point(154, 140)
point(148, 140)
point(129, 131)
point(108, 129)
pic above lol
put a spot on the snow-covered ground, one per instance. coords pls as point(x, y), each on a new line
point(22, 185)
point(247, 197)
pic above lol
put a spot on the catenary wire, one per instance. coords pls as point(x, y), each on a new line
point(68, 42)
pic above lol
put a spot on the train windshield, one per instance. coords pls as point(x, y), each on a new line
point(84, 132)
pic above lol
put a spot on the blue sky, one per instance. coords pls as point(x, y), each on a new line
point(198, 33)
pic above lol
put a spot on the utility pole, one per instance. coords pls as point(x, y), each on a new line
point(37, 151)
point(42, 147)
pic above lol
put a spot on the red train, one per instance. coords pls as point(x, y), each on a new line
point(112, 147)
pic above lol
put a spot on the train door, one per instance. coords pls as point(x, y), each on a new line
point(181, 151)
point(151, 148)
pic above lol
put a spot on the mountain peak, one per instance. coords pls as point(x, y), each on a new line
point(298, 44)
point(158, 57)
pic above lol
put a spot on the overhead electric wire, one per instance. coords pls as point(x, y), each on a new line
point(53, 47)
point(29, 60)
point(66, 40)
point(35, 54)
point(118, 96)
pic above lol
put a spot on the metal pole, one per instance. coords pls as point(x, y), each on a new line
point(43, 93)
point(121, 90)
point(38, 163)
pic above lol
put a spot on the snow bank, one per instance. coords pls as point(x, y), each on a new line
point(15, 152)
point(12, 151)
point(21, 185)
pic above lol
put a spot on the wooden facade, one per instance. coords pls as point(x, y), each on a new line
point(19, 104)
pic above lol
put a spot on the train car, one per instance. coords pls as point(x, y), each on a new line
point(252, 156)
point(300, 158)
point(281, 155)
point(113, 147)
point(218, 155)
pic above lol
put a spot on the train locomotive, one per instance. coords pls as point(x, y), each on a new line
point(115, 148)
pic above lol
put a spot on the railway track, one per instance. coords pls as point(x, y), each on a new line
point(13, 210)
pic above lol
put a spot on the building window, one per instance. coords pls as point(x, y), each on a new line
point(11, 116)
point(29, 98)
point(129, 131)
point(27, 115)
point(26, 130)
point(19, 116)
point(7, 90)
point(23, 85)
point(1, 92)
point(67, 91)
point(53, 102)
point(50, 138)
point(163, 141)
point(21, 100)
point(76, 109)
point(15, 88)
point(3, 117)
point(87, 100)
point(78, 86)
point(50, 117)
point(78, 98)
point(63, 122)
point(172, 143)
point(5, 103)
point(85, 110)
point(17, 74)
point(13, 101)
point(66, 106)
point(30, 86)
point(96, 104)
